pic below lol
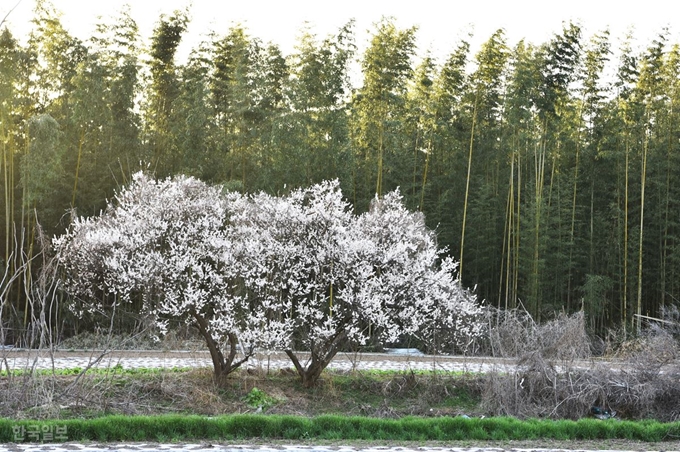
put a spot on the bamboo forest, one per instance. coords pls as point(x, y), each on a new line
point(549, 170)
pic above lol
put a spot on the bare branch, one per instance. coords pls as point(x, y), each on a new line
point(10, 12)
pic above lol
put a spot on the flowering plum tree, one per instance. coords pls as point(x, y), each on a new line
point(412, 283)
point(412, 279)
point(312, 273)
point(168, 243)
point(330, 274)
point(298, 272)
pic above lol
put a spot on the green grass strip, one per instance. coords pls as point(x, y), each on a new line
point(119, 370)
point(238, 427)
point(106, 371)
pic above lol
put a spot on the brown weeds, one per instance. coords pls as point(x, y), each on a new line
point(553, 375)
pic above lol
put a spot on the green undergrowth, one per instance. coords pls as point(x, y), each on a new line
point(111, 371)
point(419, 372)
point(75, 393)
point(275, 427)
point(120, 370)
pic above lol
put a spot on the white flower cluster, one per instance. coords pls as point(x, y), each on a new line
point(275, 272)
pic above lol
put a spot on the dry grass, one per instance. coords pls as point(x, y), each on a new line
point(553, 374)
point(194, 391)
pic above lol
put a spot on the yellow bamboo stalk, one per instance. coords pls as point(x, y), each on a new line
point(80, 153)
point(515, 268)
point(643, 178)
point(625, 240)
point(467, 184)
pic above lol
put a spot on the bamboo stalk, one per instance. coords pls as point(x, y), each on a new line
point(625, 238)
point(643, 179)
point(80, 153)
point(467, 185)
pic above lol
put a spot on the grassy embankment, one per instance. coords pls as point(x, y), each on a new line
point(183, 404)
point(342, 428)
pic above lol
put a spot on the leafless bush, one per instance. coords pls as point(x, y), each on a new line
point(28, 388)
point(141, 336)
point(548, 376)
point(403, 382)
point(32, 274)
point(515, 334)
point(542, 375)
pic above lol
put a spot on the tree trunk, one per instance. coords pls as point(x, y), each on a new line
point(320, 357)
point(222, 367)
point(308, 375)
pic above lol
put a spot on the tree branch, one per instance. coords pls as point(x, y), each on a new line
point(10, 12)
point(233, 342)
point(296, 362)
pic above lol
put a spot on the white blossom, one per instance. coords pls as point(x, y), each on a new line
point(293, 272)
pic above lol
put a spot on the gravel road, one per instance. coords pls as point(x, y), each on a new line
point(134, 359)
point(22, 359)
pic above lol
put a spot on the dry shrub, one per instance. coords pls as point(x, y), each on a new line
point(514, 334)
point(25, 396)
point(405, 382)
point(180, 337)
point(549, 377)
point(647, 385)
